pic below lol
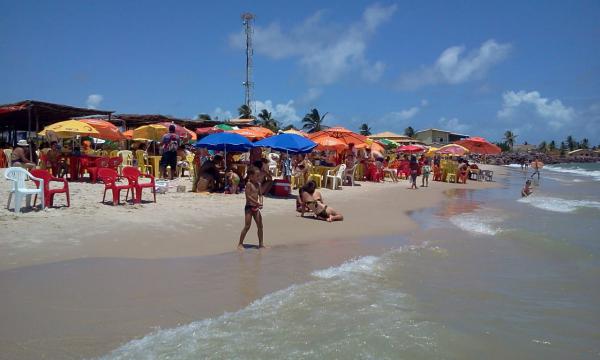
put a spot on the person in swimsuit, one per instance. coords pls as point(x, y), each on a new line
point(254, 202)
point(319, 209)
point(526, 191)
point(18, 158)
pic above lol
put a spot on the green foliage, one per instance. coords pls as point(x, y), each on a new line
point(543, 147)
point(313, 121)
point(409, 131)
point(204, 117)
point(503, 146)
point(265, 119)
point(365, 129)
point(510, 138)
point(245, 112)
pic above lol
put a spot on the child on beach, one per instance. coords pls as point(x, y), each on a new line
point(313, 200)
point(232, 181)
point(414, 172)
point(426, 170)
point(254, 202)
point(526, 191)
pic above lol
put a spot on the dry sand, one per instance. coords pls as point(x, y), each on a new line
point(79, 281)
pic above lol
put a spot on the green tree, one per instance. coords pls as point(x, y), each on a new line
point(503, 146)
point(563, 148)
point(585, 144)
point(552, 146)
point(313, 121)
point(543, 146)
point(267, 120)
point(571, 143)
point(510, 138)
point(409, 131)
point(365, 129)
point(204, 117)
point(245, 112)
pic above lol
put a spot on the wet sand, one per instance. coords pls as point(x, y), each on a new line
point(107, 275)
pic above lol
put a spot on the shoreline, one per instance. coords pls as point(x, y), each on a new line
point(101, 302)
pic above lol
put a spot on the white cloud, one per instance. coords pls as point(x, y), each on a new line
point(453, 125)
point(311, 95)
point(93, 101)
point(326, 51)
point(454, 67)
point(284, 113)
point(221, 114)
point(553, 111)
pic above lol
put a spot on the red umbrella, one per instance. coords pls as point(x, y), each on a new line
point(208, 130)
point(411, 149)
point(479, 145)
point(179, 130)
point(106, 130)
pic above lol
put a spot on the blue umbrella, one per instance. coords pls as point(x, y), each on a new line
point(290, 143)
point(225, 142)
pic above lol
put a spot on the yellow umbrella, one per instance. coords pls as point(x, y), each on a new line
point(152, 132)
point(431, 151)
point(70, 128)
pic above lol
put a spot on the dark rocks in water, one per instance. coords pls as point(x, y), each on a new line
point(516, 158)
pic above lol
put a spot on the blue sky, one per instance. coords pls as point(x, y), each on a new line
point(479, 68)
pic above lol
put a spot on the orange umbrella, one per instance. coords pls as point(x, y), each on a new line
point(249, 134)
point(192, 135)
point(106, 130)
point(329, 143)
point(375, 146)
point(479, 145)
point(346, 136)
point(452, 149)
point(128, 134)
point(261, 130)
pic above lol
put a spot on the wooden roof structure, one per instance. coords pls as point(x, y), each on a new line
point(136, 120)
point(33, 115)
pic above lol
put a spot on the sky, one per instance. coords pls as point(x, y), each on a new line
point(473, 67)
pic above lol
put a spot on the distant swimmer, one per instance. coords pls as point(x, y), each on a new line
point(537, 166)
point(526, 191)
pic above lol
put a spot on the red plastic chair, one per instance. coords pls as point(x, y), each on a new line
point(109, 177)
point(373, 173)
point(133, 175)
point(98, 164)
point(114, 163)
point(49, 193)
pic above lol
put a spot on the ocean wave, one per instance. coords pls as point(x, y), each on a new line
point(365, 264)
point(477, 223)
point(557, 204)
point(575, 171)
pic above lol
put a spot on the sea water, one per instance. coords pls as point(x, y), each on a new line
point(496, 277)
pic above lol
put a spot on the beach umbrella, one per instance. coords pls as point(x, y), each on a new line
point(347, 136)
point(191, 134)
point(261, 130)
point(251, 135)
point(106, 130)
point(329, 143)
point(431, 151)
point(376, 147)
point(411, 149)
point(290, 143)
point(153, 132)
point(388, 142)
point(128, 134)
point(453, 149)
point(225, 141)
point(70, 128)
point(479, 145)
point(224, 127)
point(181, 131)
point(297, 132)
point(208, 130)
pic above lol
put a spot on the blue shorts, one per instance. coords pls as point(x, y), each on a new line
point(169, 158)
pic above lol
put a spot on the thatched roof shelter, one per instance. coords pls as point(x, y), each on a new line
point(131, 121)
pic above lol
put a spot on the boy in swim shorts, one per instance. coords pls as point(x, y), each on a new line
point(254, 201)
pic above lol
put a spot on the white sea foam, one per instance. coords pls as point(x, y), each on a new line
point(364, 264)
point(557, 204)
point(477, 223)
point(575, 171)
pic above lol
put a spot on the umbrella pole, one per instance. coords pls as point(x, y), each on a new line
point(225, 147)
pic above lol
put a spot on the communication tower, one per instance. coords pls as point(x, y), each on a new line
point(248, 22)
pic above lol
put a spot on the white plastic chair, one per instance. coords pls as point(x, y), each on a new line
point(18, 176)
point(351, 173)
point(339, 176)
point(126, 157)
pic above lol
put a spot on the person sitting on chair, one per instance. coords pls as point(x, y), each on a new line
point(18, 157)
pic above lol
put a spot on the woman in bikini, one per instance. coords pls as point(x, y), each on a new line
point(314, 202)
point(254, 202)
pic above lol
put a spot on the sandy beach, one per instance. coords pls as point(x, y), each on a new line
point(77, 282)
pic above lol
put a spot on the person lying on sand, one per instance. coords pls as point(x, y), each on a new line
point(526, 191)
point(315, 203)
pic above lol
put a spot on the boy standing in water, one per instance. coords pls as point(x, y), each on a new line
point(254, 202)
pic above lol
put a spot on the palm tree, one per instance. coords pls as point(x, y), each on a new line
point(409, 131)
point(313, 122)
point(245, 112)
point(365, 129)
point(204, 117)
point(543, 146)
point(266, 120)
point(509, 138)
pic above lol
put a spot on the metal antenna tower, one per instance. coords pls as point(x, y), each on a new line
point(248, 22)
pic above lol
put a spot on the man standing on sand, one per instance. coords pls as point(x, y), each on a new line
point(169, 145)
point(536, 165)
